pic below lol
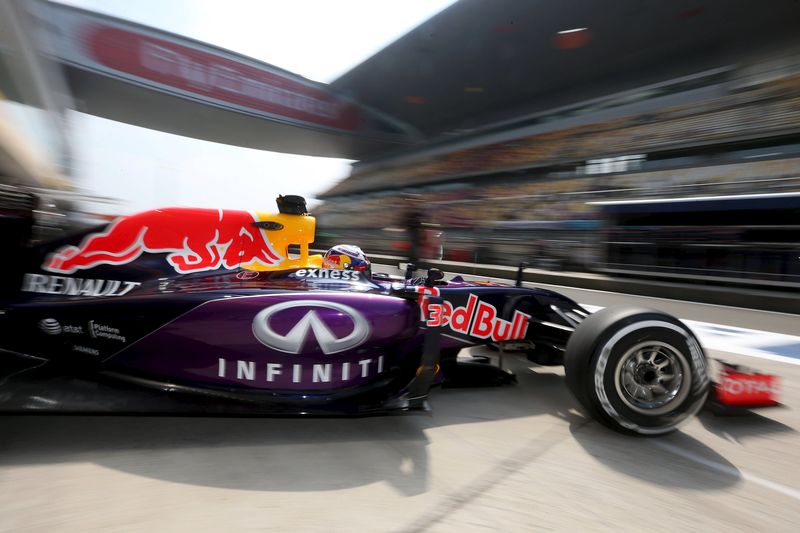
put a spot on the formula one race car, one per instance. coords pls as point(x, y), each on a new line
point(211, 311)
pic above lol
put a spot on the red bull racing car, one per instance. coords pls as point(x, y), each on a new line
point(227, 312)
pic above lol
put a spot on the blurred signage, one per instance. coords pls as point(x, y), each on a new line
point(608, 165)
point(191, 69)
point(202, 73)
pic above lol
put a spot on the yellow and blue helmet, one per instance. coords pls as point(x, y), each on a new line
point(347, 257)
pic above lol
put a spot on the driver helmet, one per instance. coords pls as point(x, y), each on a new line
point(347, 257)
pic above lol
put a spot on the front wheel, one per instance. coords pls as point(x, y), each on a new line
point(636, 370)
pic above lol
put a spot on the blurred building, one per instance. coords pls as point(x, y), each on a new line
point(56, 58)
point(35, 153)
point(536, 129)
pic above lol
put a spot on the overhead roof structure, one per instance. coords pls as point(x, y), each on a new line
point(477, 65)
point(482, 62)
point(155, 79)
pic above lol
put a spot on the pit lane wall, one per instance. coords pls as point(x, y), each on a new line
point(781, 301)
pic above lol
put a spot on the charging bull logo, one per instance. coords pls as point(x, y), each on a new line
point(196, 240)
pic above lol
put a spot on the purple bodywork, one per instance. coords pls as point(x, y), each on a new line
point(290, 342)
point(217, 342)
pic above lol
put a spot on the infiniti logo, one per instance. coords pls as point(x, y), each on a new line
point(293, 341)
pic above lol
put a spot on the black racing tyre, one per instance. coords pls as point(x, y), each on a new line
point(636, 370)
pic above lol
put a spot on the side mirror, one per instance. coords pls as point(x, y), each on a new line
point(410, 269)
point(434, 275)
point(520, 269)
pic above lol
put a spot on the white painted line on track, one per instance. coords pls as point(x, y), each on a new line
point(548, 285)
point(724, 469)
point(742, 341)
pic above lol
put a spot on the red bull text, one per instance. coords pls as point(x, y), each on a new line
point(476, 318)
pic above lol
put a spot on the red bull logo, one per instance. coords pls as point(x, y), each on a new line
point(476, 318)
point(195, 240)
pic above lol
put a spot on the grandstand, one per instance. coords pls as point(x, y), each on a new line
point(537, 189)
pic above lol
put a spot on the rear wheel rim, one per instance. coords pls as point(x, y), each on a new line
point(652, 378)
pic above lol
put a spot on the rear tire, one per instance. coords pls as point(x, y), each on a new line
point(636, 370)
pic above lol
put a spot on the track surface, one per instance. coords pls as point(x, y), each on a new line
point(515, 458)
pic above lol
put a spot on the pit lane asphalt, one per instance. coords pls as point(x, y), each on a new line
point(514, 458)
